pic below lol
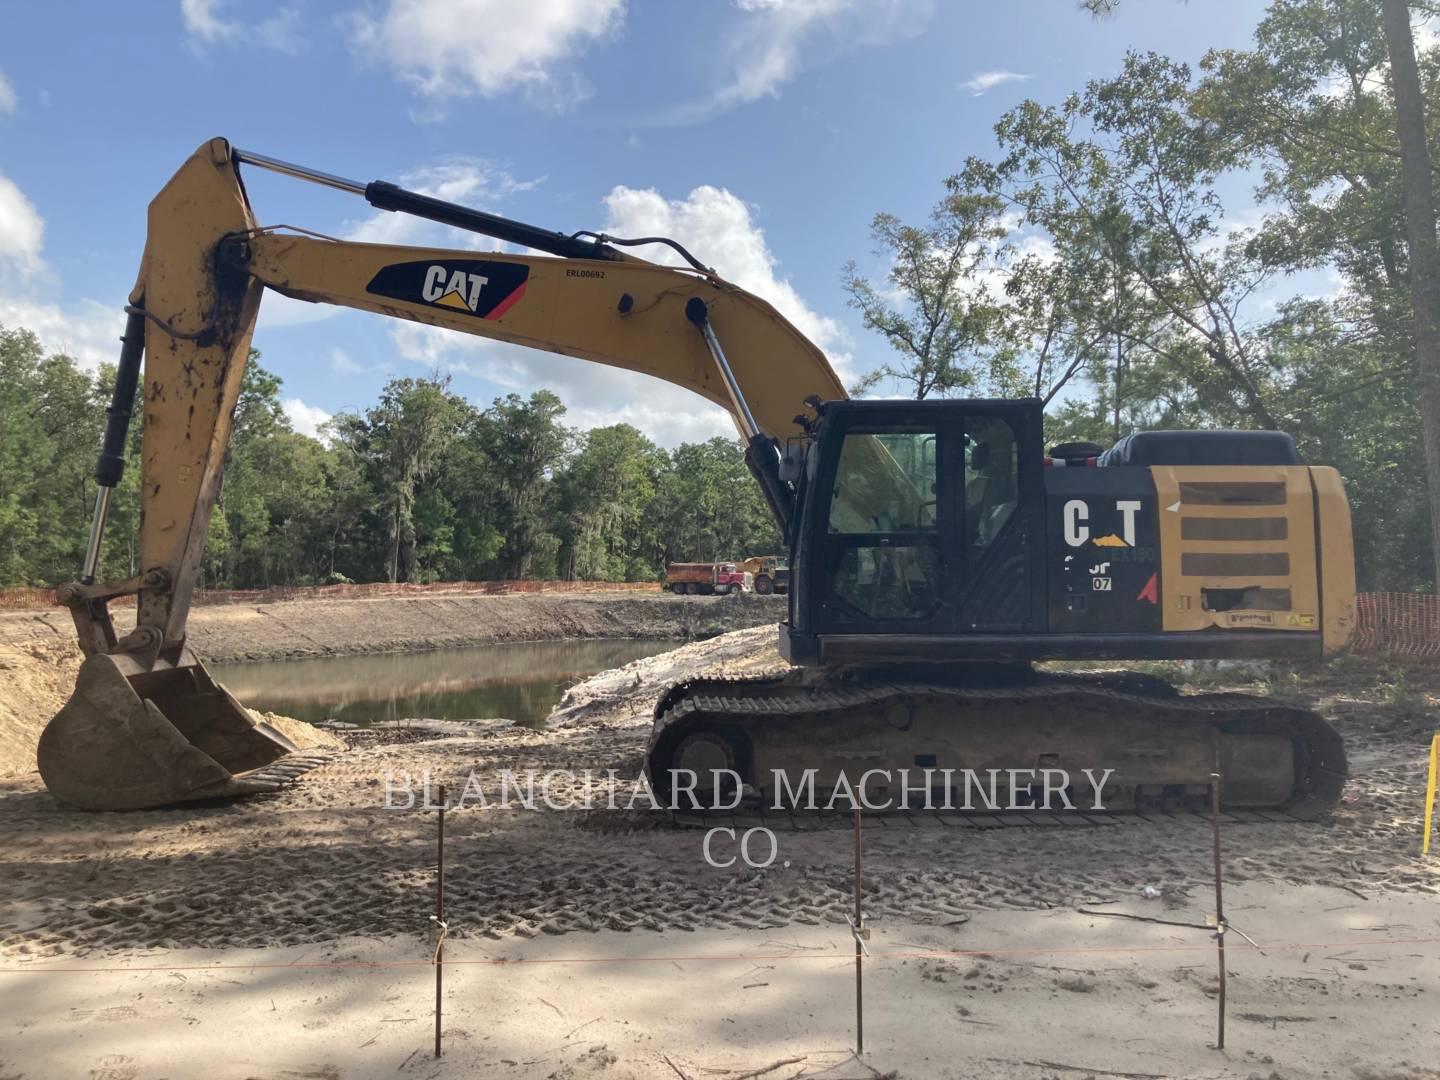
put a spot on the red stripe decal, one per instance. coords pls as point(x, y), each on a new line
point(509, 302)
point(1148, 592)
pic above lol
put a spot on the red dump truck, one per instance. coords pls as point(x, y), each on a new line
point(716, 579)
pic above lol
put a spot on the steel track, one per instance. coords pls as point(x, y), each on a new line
point(751, 701)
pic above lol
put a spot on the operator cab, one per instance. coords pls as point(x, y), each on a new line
point(920, 518)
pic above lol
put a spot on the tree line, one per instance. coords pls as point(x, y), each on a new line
point(423, 486)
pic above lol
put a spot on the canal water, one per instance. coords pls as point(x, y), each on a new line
point(518, 681)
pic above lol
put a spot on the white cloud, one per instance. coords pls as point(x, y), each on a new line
point(1232, 227)
point(449, 49)
point(22, 231)
point(8, 100)
point(279, 310)
point(773, 40)
point(206, 26)
point(1426, 33)
point(281, 32)
point(86, 330)
point(203, 22)
point(720, 230)
point(342, 364)
point(667, 415)
point(982, 81)
point(595, 395)
point(306, 419)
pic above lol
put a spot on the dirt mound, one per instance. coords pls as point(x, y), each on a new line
point(35, 679)
point(39, 659)
point(305, 736)
point(631, 691)
point(405, 624)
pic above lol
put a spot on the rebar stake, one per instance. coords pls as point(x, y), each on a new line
point(439, 912)
point(1219, 904)
point(859, 933)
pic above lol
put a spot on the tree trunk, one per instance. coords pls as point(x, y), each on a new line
point(1420, 233)
point(392, 557)
point(407, 569)
point(1119, 363)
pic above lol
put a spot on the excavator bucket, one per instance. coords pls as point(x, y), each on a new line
point(132, 738)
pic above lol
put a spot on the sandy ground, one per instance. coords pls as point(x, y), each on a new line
point(1346, 911)
point(1008, 994)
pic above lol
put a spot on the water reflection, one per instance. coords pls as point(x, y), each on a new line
point(518, 681)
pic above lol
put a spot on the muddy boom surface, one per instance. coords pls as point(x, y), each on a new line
point(1162, 746)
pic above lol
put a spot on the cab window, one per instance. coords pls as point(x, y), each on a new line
point(992, 478)
point(885, 483)
point(884, 561)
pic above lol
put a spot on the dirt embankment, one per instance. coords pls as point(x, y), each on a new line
point(36, 677)
point(39, 657)
point(297, 628)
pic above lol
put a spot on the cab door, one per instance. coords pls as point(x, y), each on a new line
point(889, 523)
point(999, 555)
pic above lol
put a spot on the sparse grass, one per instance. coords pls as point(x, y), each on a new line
point(1398, 692)
point(1206, 674)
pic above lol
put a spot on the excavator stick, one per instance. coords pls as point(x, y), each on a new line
point(147, 725)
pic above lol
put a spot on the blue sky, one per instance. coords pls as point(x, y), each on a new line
point(763, 134)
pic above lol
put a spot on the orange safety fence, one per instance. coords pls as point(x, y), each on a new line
point(1404, 626)
point(30, 599)
point(26, 599)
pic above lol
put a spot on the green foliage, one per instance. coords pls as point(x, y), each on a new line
point(945, 314)
point(603, 503)
point(523, 441)
point(1400, 694)
point(408, 432)
point(707, 506)
point(1123, 180)
point(420, 487)
point(51, 418)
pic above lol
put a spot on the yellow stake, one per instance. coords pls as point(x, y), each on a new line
point(1430, 791)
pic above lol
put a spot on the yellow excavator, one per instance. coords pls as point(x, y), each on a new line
point(937, 550)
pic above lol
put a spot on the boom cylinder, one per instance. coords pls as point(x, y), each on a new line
point(760, 454)
point(384, 195)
